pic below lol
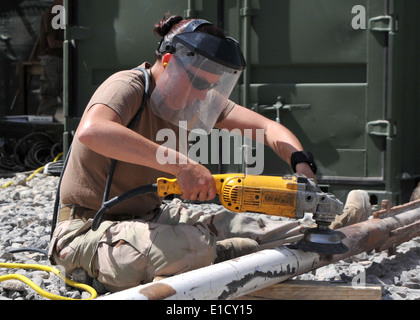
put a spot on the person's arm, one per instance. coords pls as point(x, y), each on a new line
point(102, 131)
point(280, 139)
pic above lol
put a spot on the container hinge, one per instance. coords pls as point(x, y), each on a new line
point(383, 24)
point(247, 12)
point(382, 128)
point(77, 33)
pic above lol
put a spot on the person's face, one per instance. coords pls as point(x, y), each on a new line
point(191, 84)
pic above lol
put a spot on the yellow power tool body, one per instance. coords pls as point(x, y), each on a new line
point(287, 196)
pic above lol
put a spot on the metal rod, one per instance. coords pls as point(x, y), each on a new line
point(237, 277)
point(246, 34)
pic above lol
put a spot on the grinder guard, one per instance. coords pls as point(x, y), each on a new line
point(322, 239)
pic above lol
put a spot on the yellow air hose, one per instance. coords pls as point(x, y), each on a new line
point(53, 270)
point(42, 292)
point(33, 173)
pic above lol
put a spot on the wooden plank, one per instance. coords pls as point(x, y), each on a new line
point(315, 290)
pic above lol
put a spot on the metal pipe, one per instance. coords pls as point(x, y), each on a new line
point(237, 277)
point(225, 280)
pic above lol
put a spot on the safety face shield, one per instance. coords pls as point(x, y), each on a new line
point(194, 87)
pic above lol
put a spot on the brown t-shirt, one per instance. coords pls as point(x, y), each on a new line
point(85, 176)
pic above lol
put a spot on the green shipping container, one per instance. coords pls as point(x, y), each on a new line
point(342, 75)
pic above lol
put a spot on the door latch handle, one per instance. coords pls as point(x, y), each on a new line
point(278, 106)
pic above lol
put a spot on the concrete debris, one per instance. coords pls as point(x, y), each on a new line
point(25, 220)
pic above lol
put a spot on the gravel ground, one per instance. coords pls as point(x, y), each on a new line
point(25, 218)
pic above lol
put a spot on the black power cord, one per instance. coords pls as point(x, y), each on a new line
point(105, 203)
point(29, 153)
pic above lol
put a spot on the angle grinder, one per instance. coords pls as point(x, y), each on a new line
point(289, 196)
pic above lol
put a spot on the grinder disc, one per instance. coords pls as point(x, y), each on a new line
point(322, 241)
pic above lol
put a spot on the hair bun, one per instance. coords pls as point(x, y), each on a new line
point(166, 24)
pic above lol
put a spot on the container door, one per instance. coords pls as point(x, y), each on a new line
point(319, 68)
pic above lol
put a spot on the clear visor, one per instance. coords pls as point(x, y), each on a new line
point(193, 89)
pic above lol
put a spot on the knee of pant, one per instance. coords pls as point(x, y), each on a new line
point(120, 265)
point(181, 248)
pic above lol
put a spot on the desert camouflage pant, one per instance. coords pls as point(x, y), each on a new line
point(124, 254)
